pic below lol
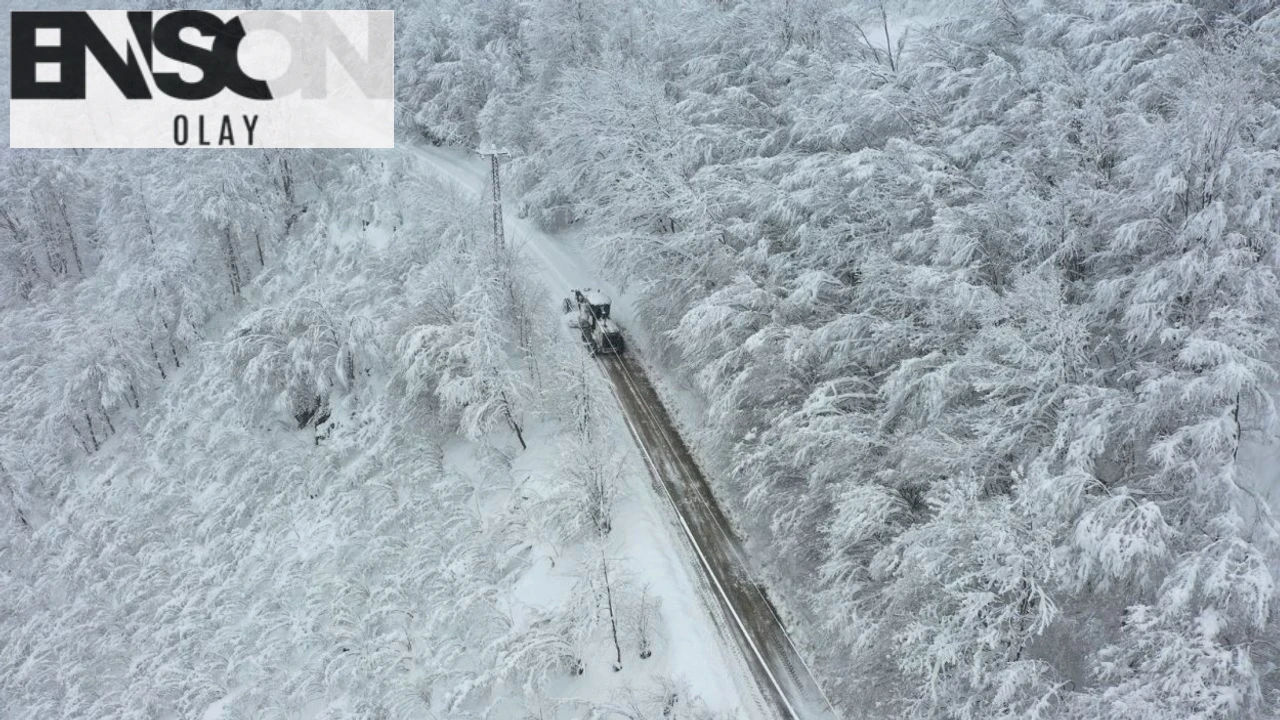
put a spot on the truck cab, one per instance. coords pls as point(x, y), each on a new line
point(601, 334)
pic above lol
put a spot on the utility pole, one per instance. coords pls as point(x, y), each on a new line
point(495, 178)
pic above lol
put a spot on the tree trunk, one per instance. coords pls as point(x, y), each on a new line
point(173, 349)
point(233, 262)
point(613, 619)
point(506, 412)
point(888, 44)
point(286, 179)
point(71, 237)
point(29, 271)
point(646, 646)
point(13, 495)
point(519, 433)
point(1235, 417)
point(159, 365)
point(92, 435)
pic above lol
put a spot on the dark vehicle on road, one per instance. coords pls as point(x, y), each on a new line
point(600, 333)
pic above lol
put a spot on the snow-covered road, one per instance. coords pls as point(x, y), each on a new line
point(752, 623)
point(744, 617)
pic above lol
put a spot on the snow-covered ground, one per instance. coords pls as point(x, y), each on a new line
point(716, 670)
point(212, 560)
point(644, 560)
point(1260, 459)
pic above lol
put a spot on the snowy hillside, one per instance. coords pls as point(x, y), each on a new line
point(983, 324)
point(964, 315)
point(309, 501)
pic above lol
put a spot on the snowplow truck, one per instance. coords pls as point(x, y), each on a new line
point(599, 332)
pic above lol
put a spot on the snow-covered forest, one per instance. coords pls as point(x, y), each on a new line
point(982, 299)
point(975, 304)
point(263, 456)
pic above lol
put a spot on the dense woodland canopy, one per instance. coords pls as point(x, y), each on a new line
point(257, 459)
point(257, 454)
point(984, 310)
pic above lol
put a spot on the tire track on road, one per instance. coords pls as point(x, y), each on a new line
point(783, 680)
point(780, 672)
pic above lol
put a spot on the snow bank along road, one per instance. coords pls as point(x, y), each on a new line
point(753, 625)
point(749, 622)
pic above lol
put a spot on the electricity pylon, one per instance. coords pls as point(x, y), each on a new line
point(499, 237)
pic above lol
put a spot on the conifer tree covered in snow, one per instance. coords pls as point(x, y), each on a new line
point(982, 298)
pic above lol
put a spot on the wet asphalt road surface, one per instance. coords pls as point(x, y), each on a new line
point(786, 685)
